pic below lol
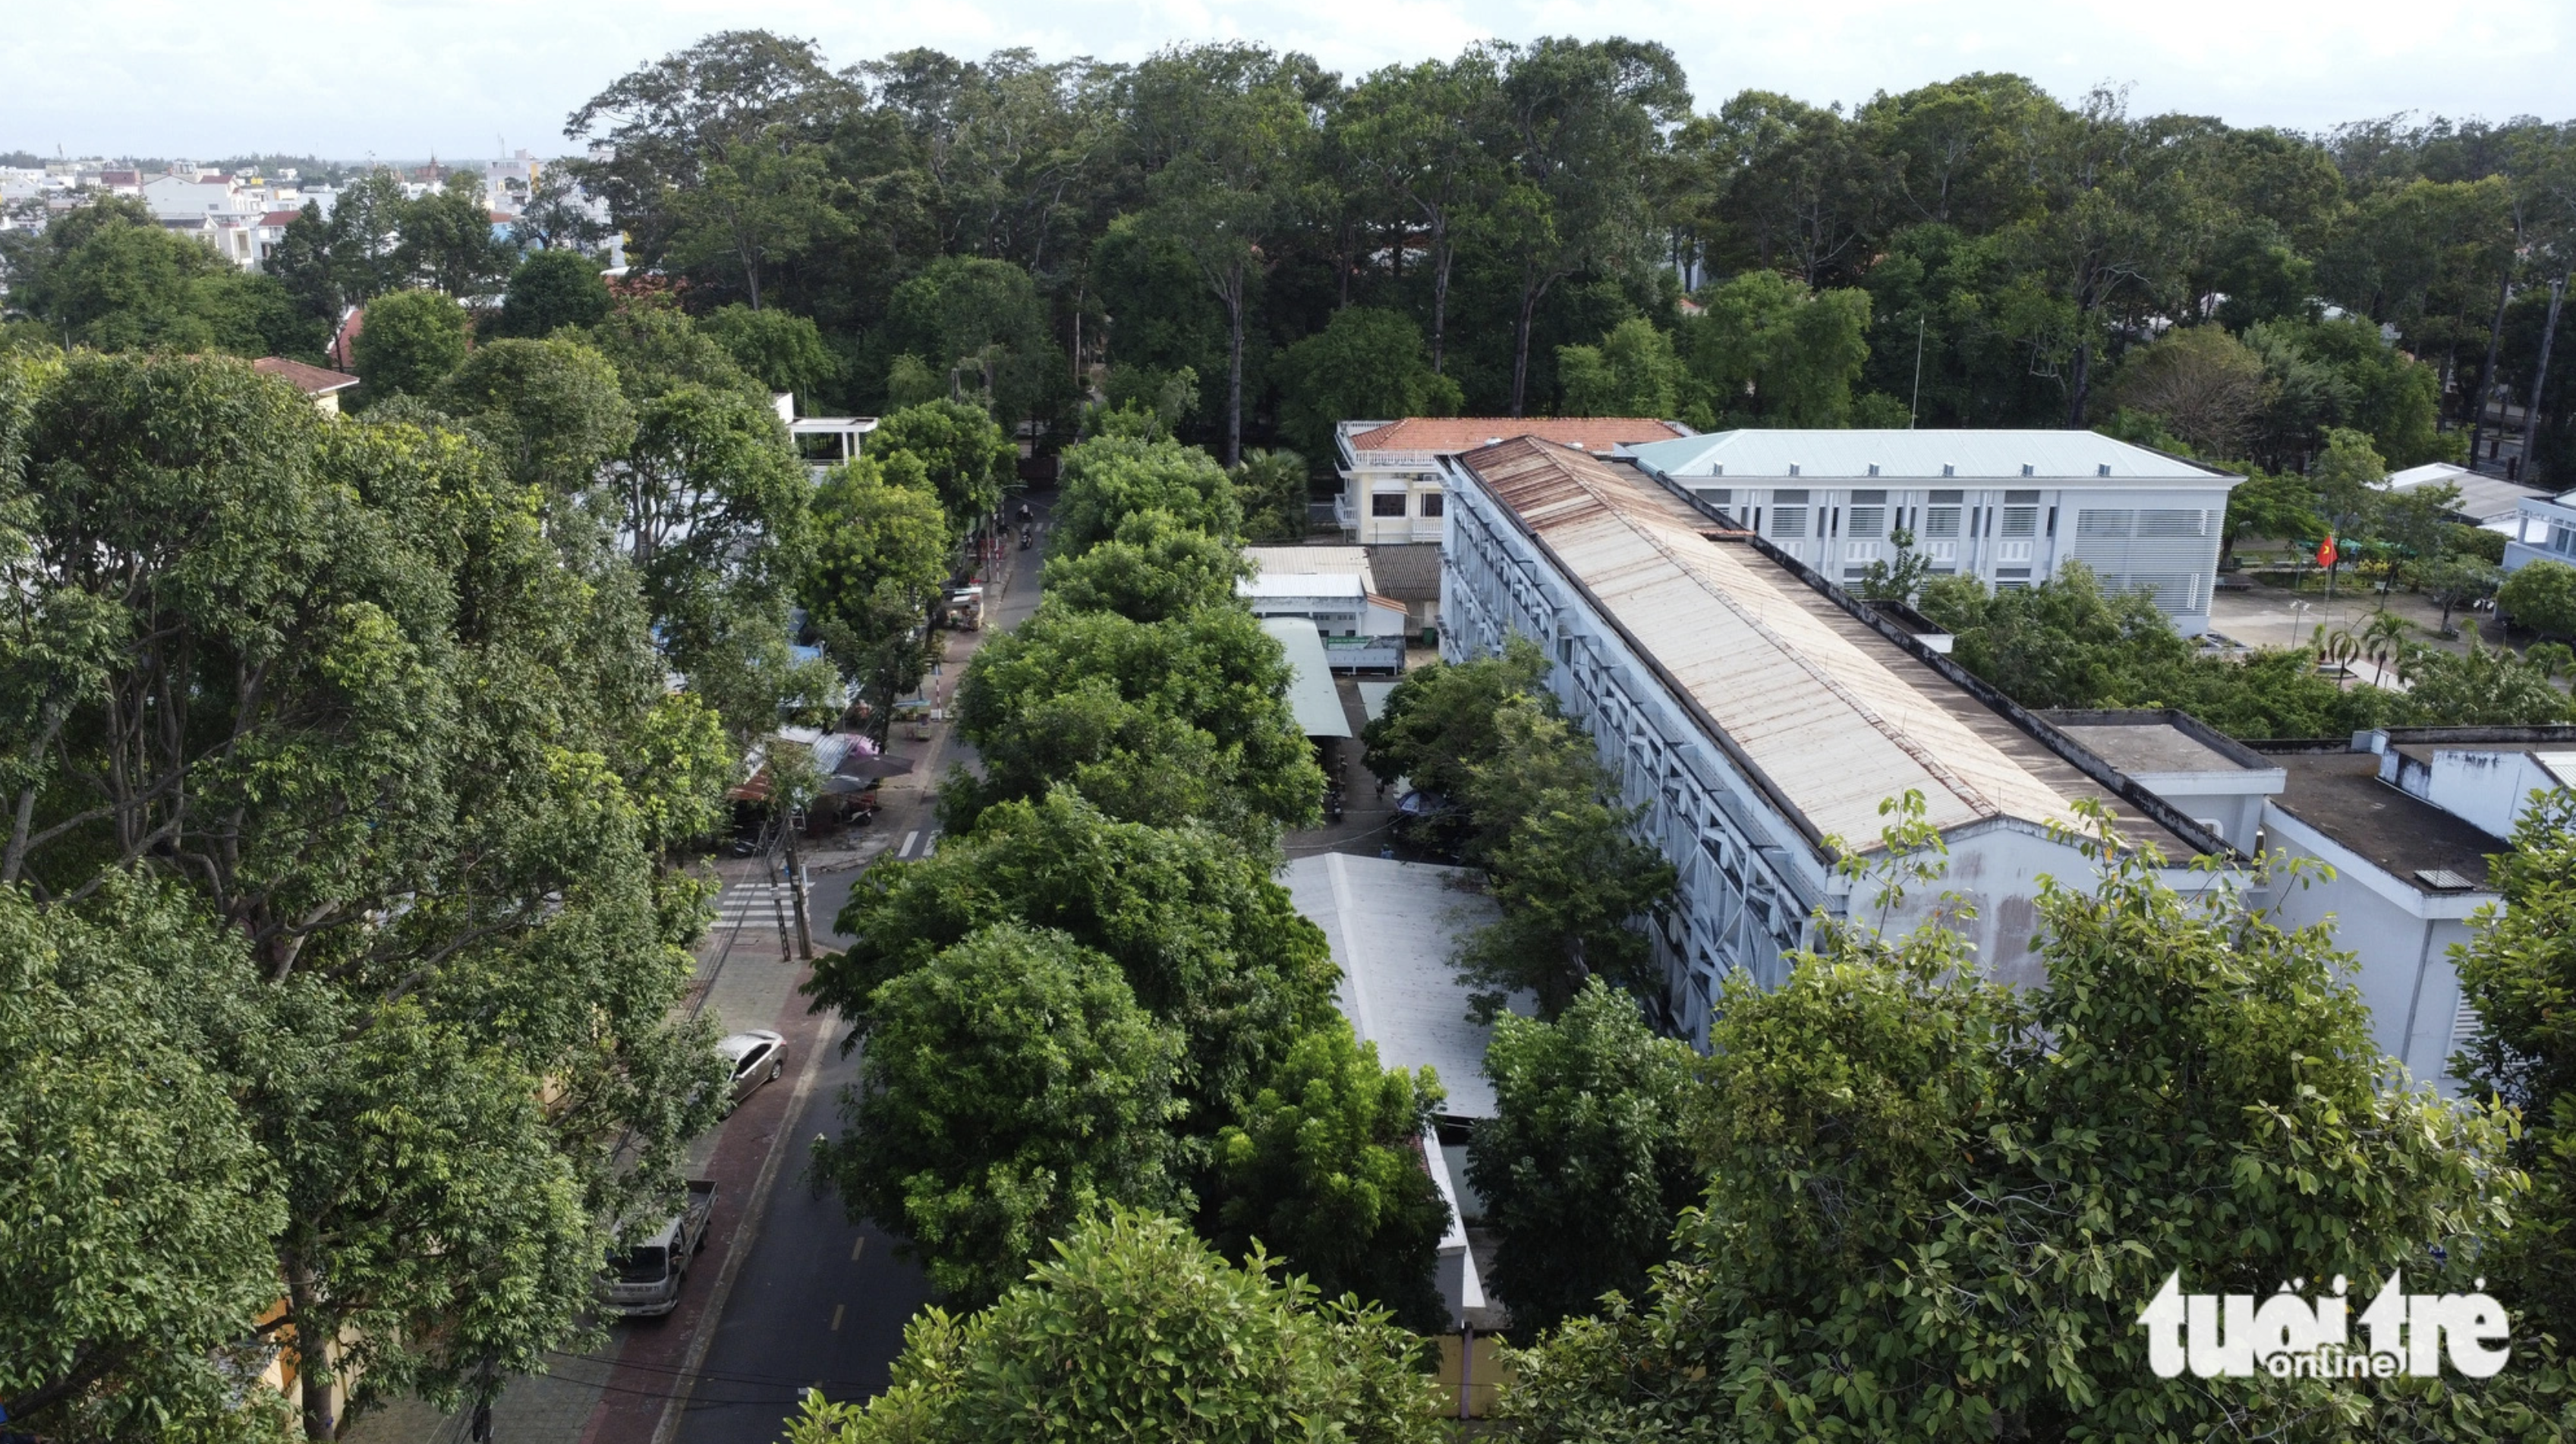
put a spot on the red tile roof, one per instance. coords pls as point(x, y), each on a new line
point(311, 380)
point(278, 218)
point(1462, 433)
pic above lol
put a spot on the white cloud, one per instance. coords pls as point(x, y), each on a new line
point(409, 77)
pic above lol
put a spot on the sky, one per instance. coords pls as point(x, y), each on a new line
point(405, 79)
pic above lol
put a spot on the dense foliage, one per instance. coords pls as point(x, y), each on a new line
point(1588, 1164)
point(373, 779)
point(1136, 1330)
point(1936, 1204)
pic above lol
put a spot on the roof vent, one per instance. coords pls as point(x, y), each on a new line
point(2103, 470)
point(1793, 468)
point(1948, 470)
point(1493, 441)
point(1718, 470)
point(2027, 469)
point(1873, 468)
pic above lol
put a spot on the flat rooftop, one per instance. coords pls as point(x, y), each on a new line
point(1987, 458)
point(2153, 747)
point(2340, 795)
point(1394, 926)
point(1833, 713)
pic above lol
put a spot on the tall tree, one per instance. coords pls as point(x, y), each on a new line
point(1227, 132)
point(1580, 119)
point(879, 562)
point(334, 683)
point(1008, 1088)
point(1419, 133)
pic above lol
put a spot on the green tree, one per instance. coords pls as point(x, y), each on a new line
point(108, 276)
point(550, 411)
point(656, 347)
point(2487, 687)
point(757, 206)
point(1271, 487)
point(365, 239)
point(1226, 135)
point(1417, 133)
point(1633, 372)
point(1578, 119)
point(551, 289)
point(1766, 351)
point(1440, 720)
point(1366, 364)
point(2541, 595)
point(981, 322)
point(1137, 1329)
point(711, 508)
point(1109, 478)
point(449, 243)
point(1206, 939)
point(135, 1216)
point(970, 461)
point(1008, 1087)
point(1966, 1193)
point(783, 352)
point(2276, 508)
point(1157, 722)
point(429, 768)
point(1562, 859)
point(2455, 581)
point(1153, 570)
point(2518, 970)
point(1587, 1164)
point(1325, 1168)
point(880, 559)
point(409, 343)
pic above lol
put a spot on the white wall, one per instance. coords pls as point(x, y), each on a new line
point(2400, 939)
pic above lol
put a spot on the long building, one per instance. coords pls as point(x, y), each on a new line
point(2010, 507)
point(1760, 717)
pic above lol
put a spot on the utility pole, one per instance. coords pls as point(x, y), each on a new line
point(2486, 374)
point(2540, 373)
point(1915, 406)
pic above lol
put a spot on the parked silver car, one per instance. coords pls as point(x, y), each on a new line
point(757, 1056)
point(644, 1281)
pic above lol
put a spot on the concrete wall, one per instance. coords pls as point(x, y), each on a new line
point(2400, 938)
point(2487, 788)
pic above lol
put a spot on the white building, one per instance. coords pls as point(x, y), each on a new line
point(1754, 714)
point(2544, 529)
point(2407, 818)
point(1333, 588)
point(2007, 506)
point(1390, 470)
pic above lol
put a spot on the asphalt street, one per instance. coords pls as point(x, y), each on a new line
point(820, 1302)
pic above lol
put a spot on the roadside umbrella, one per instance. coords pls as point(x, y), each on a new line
point(858, 764)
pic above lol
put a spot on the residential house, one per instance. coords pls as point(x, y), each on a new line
point(1391, 481)
point(321, 387)
point(2009, 507)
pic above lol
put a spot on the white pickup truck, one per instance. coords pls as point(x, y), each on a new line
point(644, 1281)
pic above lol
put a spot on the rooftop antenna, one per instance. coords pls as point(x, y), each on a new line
point(1916, 405)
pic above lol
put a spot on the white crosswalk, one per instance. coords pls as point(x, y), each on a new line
point(753, 902)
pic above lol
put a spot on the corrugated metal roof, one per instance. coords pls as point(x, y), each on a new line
point(1394, 928)
point(1836, 723)
point(1915, 455)
point(1311, 695)
point(1302, 584)
point(1270, 561)
point(1458, 433)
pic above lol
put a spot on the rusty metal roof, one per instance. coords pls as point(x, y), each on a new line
point(1835, 716)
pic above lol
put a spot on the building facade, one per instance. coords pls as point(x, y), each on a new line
point(1759, 718)
point(1391, 470)
point(2009, 507)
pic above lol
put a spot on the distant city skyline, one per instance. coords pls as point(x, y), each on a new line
point(476, 78)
